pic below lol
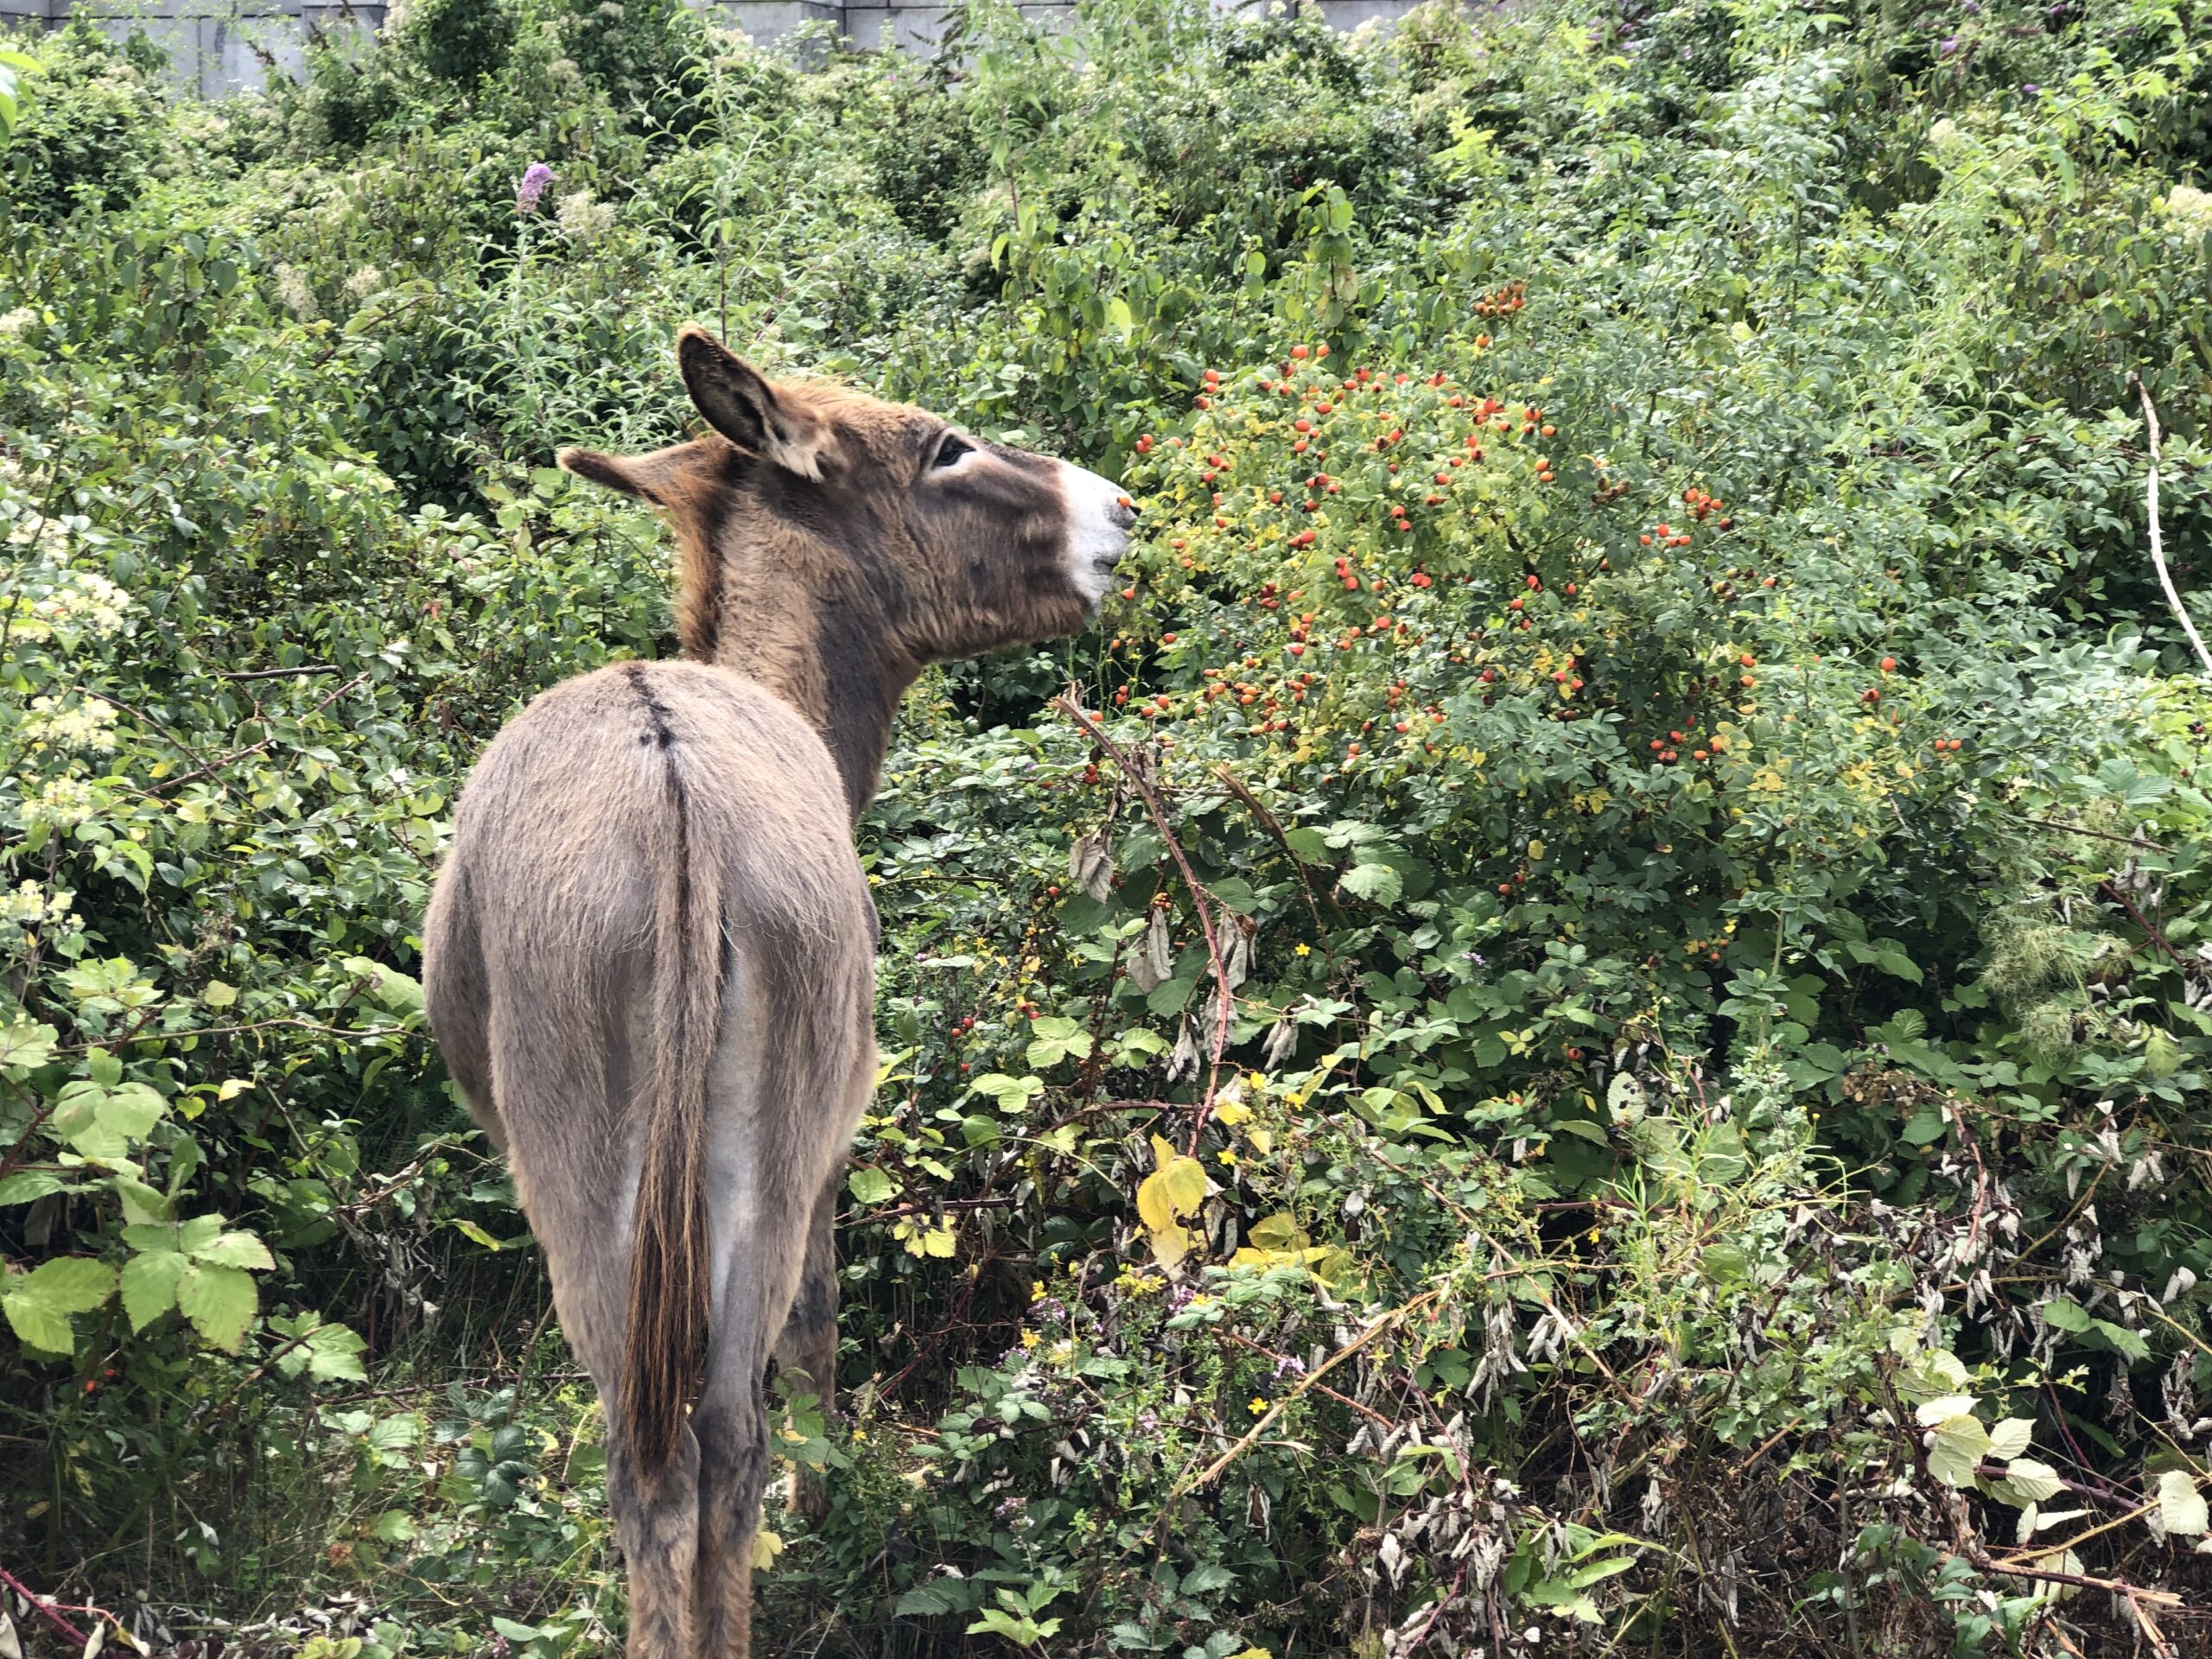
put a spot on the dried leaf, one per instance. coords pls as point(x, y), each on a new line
point(1091, 865)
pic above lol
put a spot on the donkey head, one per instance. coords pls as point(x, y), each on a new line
point(877, 535)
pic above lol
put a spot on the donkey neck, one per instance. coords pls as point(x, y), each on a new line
point(829, 654)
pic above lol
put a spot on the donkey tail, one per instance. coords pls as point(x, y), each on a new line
point(670, 1263)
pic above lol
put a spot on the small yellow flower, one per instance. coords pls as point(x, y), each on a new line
point(1228, 1157)
point(1302, 950)
point(1036, 1290)
point(1259, 1405)
point(1030, 1338)
point(860, 1433)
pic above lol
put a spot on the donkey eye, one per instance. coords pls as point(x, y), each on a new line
point(951, 449)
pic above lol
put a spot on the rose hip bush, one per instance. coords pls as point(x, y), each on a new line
point(1582, 1022)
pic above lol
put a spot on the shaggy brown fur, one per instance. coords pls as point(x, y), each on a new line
point(649, 958)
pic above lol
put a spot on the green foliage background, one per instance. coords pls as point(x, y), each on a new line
point(1592, 1029)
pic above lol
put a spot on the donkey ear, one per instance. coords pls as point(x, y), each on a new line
point(650, 478)
point(740, 403)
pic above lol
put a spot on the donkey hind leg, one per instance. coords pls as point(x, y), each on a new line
point(806, 1352)
point(457, 998)
point(576, 1162)
point(778, 1126)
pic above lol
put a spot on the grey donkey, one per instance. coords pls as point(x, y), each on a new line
point(649, 955)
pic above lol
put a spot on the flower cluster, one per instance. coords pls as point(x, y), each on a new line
point(583, 219)
point(535, 179)
point(33, 904)
point(86, 727)
point(81, 604)
point(62, 803)
point(2190, 208)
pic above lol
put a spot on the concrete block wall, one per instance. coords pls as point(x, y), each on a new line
point(219, 46)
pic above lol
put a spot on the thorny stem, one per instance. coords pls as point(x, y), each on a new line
point(2143, 922)
point(1273, 825)
point(1066, 703)
point(50, 1610)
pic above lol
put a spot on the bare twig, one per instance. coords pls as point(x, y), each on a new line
point(1311, 1380)
point(218, 765)
point(2101, 834)
point(279, 673)
point(2157, 540)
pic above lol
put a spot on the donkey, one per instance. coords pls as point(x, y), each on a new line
point(649, 959)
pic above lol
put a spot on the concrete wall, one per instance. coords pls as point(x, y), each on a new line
point(218, 47)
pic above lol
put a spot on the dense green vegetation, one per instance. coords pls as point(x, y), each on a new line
point(1589, 1030)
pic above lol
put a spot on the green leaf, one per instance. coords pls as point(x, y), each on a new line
point(220, 1301)
point(149, 1285)
point(1925, 1125)
point(234, 1250)
point(1892, 958)
point(1957, 1450)
point(870, 1186)
point(38, 1328)
point(25, 1046)
point(332, 1353)
point(2010, 1438)
point(26, 1186)
point(1011, 1094)
point(103, 1123)
point(1055, 1039)
point(1378, 883)
point(70, 1284)
point(142, 1205)
point(2181, 1505)
point(2062, 1314)
point(2124, 1341)
point(393, 1527)
point(39, 1302)
point(2030, 1482)
point(387, 986)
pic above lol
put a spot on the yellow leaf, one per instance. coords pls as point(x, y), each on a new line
point(1163, 1152)
point(1233, 1112)
point(1153, 1205)
point(767, 1546)
point(938, 1241)
point(1186, 1184)
point(1170, 1245)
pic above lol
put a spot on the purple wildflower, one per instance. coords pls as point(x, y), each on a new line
point(1948, 45)
point(2030, 89)
point(532, 186)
